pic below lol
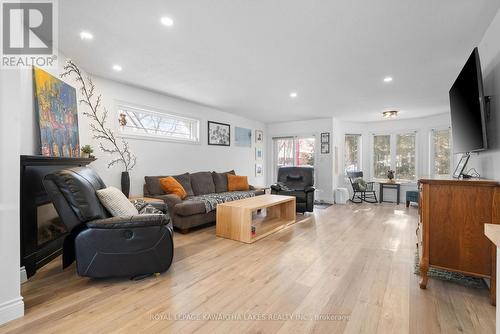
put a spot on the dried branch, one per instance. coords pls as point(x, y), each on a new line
point(98, 116)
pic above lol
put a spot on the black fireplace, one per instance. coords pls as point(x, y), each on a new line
point(42, 232)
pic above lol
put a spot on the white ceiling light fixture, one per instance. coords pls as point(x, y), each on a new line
point(387, 79)
point(167, 21)
point(390, 114)
point(86, 36)
point(293, 95)
point(117, 68)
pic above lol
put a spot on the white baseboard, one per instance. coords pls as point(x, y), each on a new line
point(11, 310)
point(24, 276)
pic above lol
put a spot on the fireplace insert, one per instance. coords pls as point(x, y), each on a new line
point(42, 232)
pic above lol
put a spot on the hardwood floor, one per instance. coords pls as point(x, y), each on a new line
point(350, 265)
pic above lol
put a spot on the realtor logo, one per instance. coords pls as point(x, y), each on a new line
point(28, 33)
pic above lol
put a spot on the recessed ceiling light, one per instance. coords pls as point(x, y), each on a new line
point(117, 68)
point(85, 35)
point(293, 95)
point(387, 79)
point(167, 21)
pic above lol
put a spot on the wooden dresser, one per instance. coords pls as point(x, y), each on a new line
point(452, 214)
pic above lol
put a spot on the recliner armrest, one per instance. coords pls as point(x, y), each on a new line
point(309, 189)
point(275, 187)
point(129, 221)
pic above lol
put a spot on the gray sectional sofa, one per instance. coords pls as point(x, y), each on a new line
point(204, 189)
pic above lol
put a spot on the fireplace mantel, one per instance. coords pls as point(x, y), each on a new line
point(33, 169)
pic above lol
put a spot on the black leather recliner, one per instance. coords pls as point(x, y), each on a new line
point(298, 182)
point(106, 246)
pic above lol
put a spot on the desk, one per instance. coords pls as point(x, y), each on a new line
point(389, 185)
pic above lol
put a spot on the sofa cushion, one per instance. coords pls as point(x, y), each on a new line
point(237, 183)
point(185, 181)
point(154, 187)
point(171, 186)
point(189, 208)
point(202, 183)
point(220, 181)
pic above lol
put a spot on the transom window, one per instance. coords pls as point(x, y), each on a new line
point(141, 122)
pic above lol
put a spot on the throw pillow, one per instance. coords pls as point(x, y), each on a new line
point(172, 186)
point(220, 181)
point(116, 202)
point(237, 183)
point(361, 184)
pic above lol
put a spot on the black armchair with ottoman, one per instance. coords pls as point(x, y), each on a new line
point(105, 246)
point(298, 182)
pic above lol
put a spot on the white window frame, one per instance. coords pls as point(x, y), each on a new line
point(393, 150)
point(432, 151)
point(274, 172)
point(360, 151)
point(153, 137)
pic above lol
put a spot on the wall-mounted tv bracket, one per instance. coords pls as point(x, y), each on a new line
point(487, 103)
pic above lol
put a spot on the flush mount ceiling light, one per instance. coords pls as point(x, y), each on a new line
point(86, 36)
point(117, 68)
point(390, 114)
point(167, 21)
point(293, 95)
point(388, 79)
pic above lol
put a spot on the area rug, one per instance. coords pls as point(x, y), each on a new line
point(444, 275)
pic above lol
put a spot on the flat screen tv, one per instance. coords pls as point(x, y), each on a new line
point(467, 105)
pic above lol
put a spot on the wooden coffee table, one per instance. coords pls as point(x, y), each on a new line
point(235, 219)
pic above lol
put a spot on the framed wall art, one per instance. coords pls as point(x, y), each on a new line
point(219, 134)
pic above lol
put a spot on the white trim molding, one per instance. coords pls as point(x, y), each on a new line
point(11, 310)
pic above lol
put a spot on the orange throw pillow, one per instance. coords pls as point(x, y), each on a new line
point(237, 182)
point(172, 186)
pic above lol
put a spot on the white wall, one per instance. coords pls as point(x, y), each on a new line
point(323, 162)
point(18, 132)
point(12, 140)
point(153, 157)
point(161, 157)
point(422, 127)
point(487, 163)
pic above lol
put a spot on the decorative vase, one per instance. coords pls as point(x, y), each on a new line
point(125, 183)
point(390, 175)
point(85, 155)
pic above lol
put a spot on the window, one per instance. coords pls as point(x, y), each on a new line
point(146, 123)
point(441, 151)
point(396, 152)
point(381, 155)
point(294, 151)
point(405, 156)
point(352, 153)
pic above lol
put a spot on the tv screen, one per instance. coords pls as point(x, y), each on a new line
point(467, 108)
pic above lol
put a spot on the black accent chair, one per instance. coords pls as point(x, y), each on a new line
point(361, 194)
point(105, 246)
point(298, 182)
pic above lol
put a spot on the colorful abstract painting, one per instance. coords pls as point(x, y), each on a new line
point(55, 105)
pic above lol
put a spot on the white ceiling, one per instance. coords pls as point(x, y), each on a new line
point(245, 57)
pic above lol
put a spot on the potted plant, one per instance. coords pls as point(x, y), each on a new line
point(86, 151)
point(390, 175)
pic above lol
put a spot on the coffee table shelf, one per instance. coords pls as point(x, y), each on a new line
point(235, 219)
